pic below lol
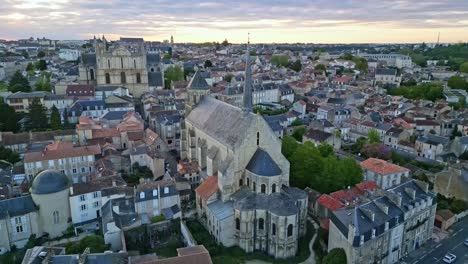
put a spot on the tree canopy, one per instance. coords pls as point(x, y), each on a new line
point(457, 82)
point(464, 67)
point(320, 67)
point(427, 91)
point(41, 54)
point(373, 136)
point(280, 60)
point(37, 116)
point(19, 83)
point(55, 119)
point(208, 64)
point(41, 65)
point(8, 118)
point(172, 74)
point(95, 243)
point(335, 256)
point(9, 155)
point(318, 167)
point(296, 66)
point(43, 82)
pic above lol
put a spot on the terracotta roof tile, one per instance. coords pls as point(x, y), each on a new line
point(60, 150)
point(381, 166)
point(208, 187)
point(329, 202)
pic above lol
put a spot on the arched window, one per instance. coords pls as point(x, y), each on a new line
point(263, 188)
point(258, 138)
point(273, 229)
point(254, 189)
point(237, 224)
point(248, 182)
point(261, 223)
point(134, 64)
point(138, 78)
point(123, 78)
point(273, 188)
point(107, 78)
point(121, 62)
point(91, 74)
point(241, 182)
point(55, 214)
point(108, 64)
point(290, 230)
point(152, 69)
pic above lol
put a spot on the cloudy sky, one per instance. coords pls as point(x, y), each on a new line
point(322, 21)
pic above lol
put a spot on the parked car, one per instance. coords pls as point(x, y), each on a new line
point(449, 258)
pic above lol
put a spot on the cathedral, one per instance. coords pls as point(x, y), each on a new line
point(246, 200)
point(122, 64)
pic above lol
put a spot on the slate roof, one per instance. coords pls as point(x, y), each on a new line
point(433, 139)
point(153, 58)
point(88, 59)
point(385, 71)
point(262, 164)
point(221, 210)
point(317, 135)
point(17, 206)
point(198, 82)
point(148, 188)
point(278, 203)
point(21, 95)
point(223, 122)
point(155, 79)
point(49, 181)
point(114, 115)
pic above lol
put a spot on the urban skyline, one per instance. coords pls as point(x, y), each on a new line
point(278, 22)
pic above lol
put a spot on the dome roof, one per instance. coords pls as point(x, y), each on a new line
point(262, 164)
point(49, 181)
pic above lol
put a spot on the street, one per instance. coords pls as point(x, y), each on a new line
point(433, 252)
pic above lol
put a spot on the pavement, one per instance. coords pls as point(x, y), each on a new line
point(433, 251)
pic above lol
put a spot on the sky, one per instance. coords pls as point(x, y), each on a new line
point(268, 21)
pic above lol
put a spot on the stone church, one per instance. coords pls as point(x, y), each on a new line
point(122, 64)
point(246, 199)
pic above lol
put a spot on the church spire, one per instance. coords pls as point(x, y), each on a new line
point(248, 81)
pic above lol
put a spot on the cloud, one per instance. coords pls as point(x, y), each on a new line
point(270, 20)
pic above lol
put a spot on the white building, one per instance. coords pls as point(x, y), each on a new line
point(158, 198)
point(69, 54)
point(384, 174)
point(395, 60)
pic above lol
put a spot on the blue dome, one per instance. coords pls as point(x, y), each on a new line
point(49, 181)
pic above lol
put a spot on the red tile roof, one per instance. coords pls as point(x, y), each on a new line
point(381, 166)
point(329, 202)
point(60, 150)
point(208, 187)
point(367, 185)
point(80, 90)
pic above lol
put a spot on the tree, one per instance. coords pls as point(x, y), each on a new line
point(335, 256)
point(225, 42)
point(8, 118)
point(253, 53)
point(9, 155)
point(462, 102)
point(37, 116)
point(66, 123)
point(95, 243)
point(43, 82)
point(464, 67)
point(172, 74)
point(377, 150)
point(30, 67)
point(296, 66)
point(373, 136)
point(55, 119)
point(288, 146)
point(280, 60)
point(19, 83)
point(298, 133)
point(325, 150)
point(457, 82)
point(208, 64)
point(167, 56)
point(41, 54)
point(320, 67)
point(455, 133)
point(41, 65)
point(228, 77)
point(25, 54)
point(296, 122)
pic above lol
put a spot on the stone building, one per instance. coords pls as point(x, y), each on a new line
point(386, 227)
point(385, 174)
point(122, 65)
point(247, 200)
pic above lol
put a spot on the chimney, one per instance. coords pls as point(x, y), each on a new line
point(114, 183)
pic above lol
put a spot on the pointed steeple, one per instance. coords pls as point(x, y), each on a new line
point(248, 81)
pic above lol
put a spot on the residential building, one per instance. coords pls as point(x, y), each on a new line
point(394, 60)
point(75, 162)
point(430, 146)
point(384, 174)
point(318, 137)
point(69, 54)
point(158, 198)
point(21, 101)
point(387, 76)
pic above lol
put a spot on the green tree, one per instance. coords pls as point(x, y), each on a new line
point(41, 65)
point(225, 42)
point(208, 64)
point(280, 60)
point(361, 64)
point(288, 146)
point(325, 150)
point(456, 133)
point(335, 256)
point(55, 119)
point(253, 53)
point(172, 74)
point(9, 155)
point(30, 67)
point(373, 136)
point(167, 57)
point(320, 67)
point(296, 66)
point(25, 54)
point(296, 122)
point(298, 133)
point(8, 118)
point(457, 82)
point(37, 116)
point(43, 82)
point(41, 54)
point(95, 243)
point(464, 67)
point(228, 77)
point(19, 83)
